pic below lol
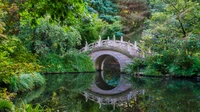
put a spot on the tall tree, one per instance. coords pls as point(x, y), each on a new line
point(66, 11)
point(2, 24)
point(133, 14)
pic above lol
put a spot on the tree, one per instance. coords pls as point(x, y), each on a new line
point(2, 24)
point(171, 41)
point(69, 12)
point(107, 11)
point(133, 13)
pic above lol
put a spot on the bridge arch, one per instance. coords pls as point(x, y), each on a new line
point(99, 58)
point(121, 51)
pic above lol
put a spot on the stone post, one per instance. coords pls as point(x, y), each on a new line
point(99, 42)
point(121, 38)
point(149, 51)
point(108, 38)
point(128, 46)
point(114, 43)
point(86, 46)
point(135, 45)
point(114, 37)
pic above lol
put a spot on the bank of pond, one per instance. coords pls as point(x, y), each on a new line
point(120, 93)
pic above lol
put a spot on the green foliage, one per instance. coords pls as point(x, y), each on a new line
point(12, 63)
point(26, 82)
point(49, 37)
point(12, 18)
point(78, 61)
point(113, 29)
point(51, 42)
point(91, 28)
point(159, 93)
point(177, 19)
point(2, 24)
point(174, 41)
point(107, 11)
point(69, 12)
point(106, 8)
point(64, 91)
point(133, 13)
point(72, 61)
point(29, 108)
point(6, 106)
point(135, 67)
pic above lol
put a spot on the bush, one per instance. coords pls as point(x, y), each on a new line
point(6, 106)
point(29, 108)
point(12, 63)
point(72, 61)
point(26, 82)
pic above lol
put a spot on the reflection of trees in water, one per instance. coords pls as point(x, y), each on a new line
point(63, 91)
point(166, 95)
point(111, 71)
point(111, 77)
point(28, 96)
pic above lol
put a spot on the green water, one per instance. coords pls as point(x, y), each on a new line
point(62, 92)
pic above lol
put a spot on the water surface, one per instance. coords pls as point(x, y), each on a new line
point(64, 92)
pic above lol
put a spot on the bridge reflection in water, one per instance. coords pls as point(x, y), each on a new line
point(111, 88)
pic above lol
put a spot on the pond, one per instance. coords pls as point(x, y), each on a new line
point(113, 92)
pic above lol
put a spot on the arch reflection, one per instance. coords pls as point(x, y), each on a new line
point(107, 80)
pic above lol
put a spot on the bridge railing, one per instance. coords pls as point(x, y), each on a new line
point(112, 99)
point(123, 45)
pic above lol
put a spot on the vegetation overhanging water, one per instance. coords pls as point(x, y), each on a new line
point(63, 92)
point(44, 36)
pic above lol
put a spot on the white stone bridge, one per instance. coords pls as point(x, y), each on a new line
point(103, 50)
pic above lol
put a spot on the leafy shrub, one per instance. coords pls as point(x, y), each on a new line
point(180, 59)
point(6, 106)
point(11, 62)
point(49, 37)
point(26, 82)
point(78, 61)
point(135, 67)
point(29, 108)
point(72, 61)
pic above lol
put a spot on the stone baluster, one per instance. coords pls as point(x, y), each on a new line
point(108, 38)
point(143, 55)
point(135, 45)
point(121, 38)
point(114, 42)
point(108, 41)
point(121, 44)
point(86, 46)
point(128, 46)
point(99, 42)
point(143, 91)
point(149, 50)
point(135, 98)
point(86, 96)
point(99, 100)
point(113, 102)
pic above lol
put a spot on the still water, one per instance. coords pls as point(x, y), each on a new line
point(110, 92)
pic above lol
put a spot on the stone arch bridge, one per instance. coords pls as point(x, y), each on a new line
point(118, 50)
